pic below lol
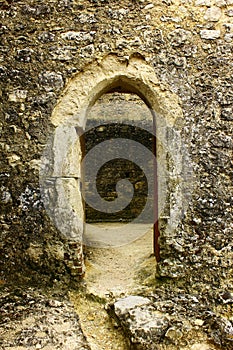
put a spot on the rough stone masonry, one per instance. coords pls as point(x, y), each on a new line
point(188, 45)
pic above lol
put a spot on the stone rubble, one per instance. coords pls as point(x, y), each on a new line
point(156, 323)
point(30, 320)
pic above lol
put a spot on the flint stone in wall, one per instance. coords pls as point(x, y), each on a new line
point(86, 37)
point(179, 37)
point(220, 3)
point(46, 37)
point(86, 18)
point(224, 95)
point(5, 196)
point(229, 27)
point(47, 99)
point(17, 96)
point(24, 55)
point(203, 3)
point(51, 81)
point(35, 252)
point(230, 13)
point(228, 37)
point(87, 51)
point(227, 113)
point(210, 34)
point(119, 14)
point(148, 7)
point(221, 330)
point(36, 11)
point(213, 14)
point(173, 334)
point(62, 53)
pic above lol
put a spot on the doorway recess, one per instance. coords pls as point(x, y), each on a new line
point(116, 78)
point(121, 114)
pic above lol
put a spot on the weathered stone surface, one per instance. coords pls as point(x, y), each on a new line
point(102, 125)
point(177, 322)
point(192, 88)
point(51, 81)
point(210, 34)
point(220, 3)
point(30, 320)
point(213, 14)
point(123, 306)
point(230, 13)
point(145, 327)
point(203, 2)
point(17, 96)
point(227, 113)
point(82, 37)
point(179, 37)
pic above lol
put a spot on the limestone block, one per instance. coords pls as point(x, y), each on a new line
point(210, 34)
point(62, 156)
point(213, 14)
point(68, 213)
point(63, 203)
point(143, 323)
point(130, 302)
point(82, 93)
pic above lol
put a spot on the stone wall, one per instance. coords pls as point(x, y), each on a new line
point(125, 116)
point(188, 44)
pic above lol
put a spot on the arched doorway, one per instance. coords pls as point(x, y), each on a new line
point(121, 114)
point(61, 171)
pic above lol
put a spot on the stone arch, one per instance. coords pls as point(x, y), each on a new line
point(63, 169)
point(99, 77)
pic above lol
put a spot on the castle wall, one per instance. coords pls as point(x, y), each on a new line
point(46, 47)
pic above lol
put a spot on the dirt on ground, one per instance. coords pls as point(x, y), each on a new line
point(118, 270)
point(112, 273)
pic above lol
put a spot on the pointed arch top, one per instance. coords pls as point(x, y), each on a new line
point(111, 73)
